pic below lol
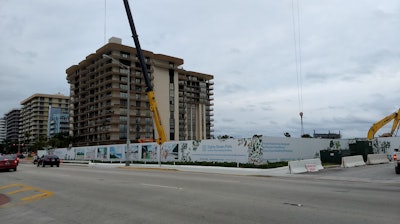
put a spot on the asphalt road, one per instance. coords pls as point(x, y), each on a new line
point(79, 194)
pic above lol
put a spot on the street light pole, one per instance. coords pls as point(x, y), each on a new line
point(128, 140)
point(128, 120)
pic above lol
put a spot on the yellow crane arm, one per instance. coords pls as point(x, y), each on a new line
point(395, 123)
point(378, 125)
point(156, 116)
point(149, 90)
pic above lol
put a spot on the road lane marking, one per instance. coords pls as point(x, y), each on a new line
point(9, 186)
point(22, 194)
point(162, 186)
point(38, 196)
point(22, 189)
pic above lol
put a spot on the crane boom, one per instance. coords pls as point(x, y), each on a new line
point(149, 88)
point(378, 125)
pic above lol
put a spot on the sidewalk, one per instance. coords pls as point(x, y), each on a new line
point(281, 171)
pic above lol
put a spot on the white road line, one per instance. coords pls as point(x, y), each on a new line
point(162, 186)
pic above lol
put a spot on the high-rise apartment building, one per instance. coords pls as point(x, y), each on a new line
point(58, 121)
point(13, 125)
point(99, 97)
point(3, 129)
point(35, 114)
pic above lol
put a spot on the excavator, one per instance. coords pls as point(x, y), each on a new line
point(378, 125)
point(149, 88)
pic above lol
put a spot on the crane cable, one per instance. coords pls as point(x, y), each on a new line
point(297, 53)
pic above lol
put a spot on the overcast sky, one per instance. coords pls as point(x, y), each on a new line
point(337, 61)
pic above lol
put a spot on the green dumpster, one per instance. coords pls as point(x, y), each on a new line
point(361, 147)
point(333, 156)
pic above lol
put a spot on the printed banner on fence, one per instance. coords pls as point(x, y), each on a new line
point(227, 150)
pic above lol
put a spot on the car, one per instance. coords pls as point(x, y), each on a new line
point(49, 160)
point(8, 162)
point(396, 159)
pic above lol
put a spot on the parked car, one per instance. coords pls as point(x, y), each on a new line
point(396, 158)
point(8, 162)
point(49, 160)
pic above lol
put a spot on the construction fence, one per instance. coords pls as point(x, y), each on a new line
point(255, 150)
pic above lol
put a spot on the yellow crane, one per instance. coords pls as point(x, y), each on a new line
point(149, 90)
point(378, 125)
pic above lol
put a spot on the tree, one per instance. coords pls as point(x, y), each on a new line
point(61, 140)
point(40, 143)
point(4, 145)
point(27, 138)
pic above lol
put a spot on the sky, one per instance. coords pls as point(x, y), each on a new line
point(336, 61)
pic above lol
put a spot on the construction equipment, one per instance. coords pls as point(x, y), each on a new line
point(149, 88)
point(378, 125)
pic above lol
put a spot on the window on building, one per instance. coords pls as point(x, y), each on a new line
point(123, 79)
point(125, 54)
point(123, 95)
point(122, 131)
point(123, 118)
point(123, 111)
point(123, 71)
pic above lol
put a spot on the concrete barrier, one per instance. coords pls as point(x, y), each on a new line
point(304, 166)
point(352, 161)
point(377, 159)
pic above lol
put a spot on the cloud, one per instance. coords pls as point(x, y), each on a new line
point(349, 56)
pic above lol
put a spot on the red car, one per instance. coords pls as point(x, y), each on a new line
point(8, 162)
